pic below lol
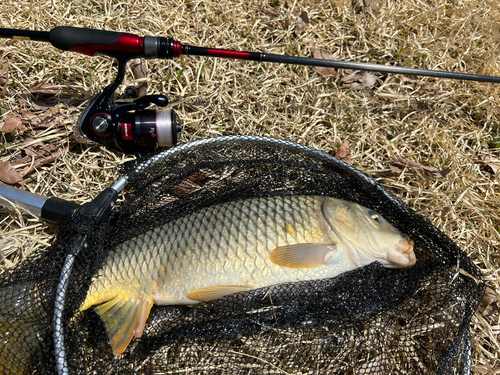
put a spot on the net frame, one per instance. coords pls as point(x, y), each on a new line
point(145, 176)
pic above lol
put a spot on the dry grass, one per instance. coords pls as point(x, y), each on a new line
point(438, 123)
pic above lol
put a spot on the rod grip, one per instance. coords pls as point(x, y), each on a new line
point(90, 41)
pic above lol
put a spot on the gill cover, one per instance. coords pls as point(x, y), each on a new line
point(367, 236)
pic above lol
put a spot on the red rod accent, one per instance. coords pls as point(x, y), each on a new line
point(126, 43)
point(228, 54)
point(177, 49)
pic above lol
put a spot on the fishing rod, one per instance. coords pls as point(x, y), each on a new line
point(130, 125)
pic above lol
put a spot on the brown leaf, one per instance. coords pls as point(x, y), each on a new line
point(31, 152)
point(49, 148)
point(39, 150)
point(395, 169)
point(44, 122)
point(286, 20)
point(140, 68)
point(359, 80)
point(343, 153)
point(54, 110)
point(302, 22)
point(489, 164)
point(192, 183)
point(489, 304)
point(402, 162)
point(371, 4)
point(270, 12)
point(8, 43)
point(27, 114)
point(45, 88)
point(445, 211)
point(41, 161)
point(327, 72)
point(3, 74)
point(9, 175)
point(352, 76)
point(11, 123)
point(140, 72)
point(435, 89)
point(409, 80)
point(423, 86)
point(39, 105)
point(24, 160)
point(444, 172)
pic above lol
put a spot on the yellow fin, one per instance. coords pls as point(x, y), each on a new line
point(214, 292)
point(303, 255)
point(124, 318)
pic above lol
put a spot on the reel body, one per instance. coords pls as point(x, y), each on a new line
point(129, 125)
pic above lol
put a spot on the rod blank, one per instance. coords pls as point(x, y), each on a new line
point(40, 36)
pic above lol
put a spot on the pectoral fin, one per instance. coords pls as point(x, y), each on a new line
point(214, 292)
point(305, 255)
point(124, 318)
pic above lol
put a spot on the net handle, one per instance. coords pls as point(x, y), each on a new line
point(97, 210)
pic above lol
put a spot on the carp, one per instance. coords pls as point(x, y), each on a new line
point(238, 246)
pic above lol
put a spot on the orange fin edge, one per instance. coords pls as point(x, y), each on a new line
point(214, 292)
point(124, 318)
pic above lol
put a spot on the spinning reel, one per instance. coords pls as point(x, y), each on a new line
point(128, 125)
point(132, 126)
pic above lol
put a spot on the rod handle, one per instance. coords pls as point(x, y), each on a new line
point(90, 42)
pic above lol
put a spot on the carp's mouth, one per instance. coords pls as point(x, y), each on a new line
point(404, 254)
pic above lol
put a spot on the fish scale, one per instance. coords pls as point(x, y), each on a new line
point(231, 247)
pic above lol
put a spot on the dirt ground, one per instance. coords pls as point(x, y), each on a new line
point(434, 143)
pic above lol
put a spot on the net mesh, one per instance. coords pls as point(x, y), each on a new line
point(372, 320)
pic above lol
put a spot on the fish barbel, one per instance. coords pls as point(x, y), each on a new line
point(238, 246)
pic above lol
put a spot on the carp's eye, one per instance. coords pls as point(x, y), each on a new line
point(375, 216)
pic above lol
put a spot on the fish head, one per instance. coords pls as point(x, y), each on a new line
point(367, 236)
